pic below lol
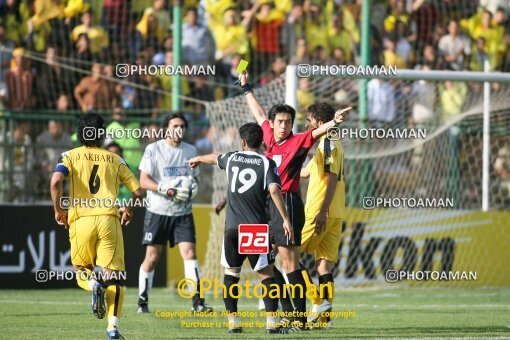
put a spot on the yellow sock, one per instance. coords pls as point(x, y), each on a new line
point(82, 277)
point(310, 286)
point(114, 299)
point(327, 290)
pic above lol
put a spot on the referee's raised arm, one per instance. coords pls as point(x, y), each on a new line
point(256, 109)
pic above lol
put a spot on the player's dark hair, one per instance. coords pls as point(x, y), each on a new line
point(91, 130)
point(252, 134)
point(281, 108)
point(115, 145)
point(322, 112)
point(168, 118)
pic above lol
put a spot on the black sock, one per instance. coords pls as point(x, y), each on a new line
point(299, 298)
point(324, 280)
point(270, 303)
point(230, 302)
point(284, 298)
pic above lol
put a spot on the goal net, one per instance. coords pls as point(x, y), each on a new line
point(436, 160)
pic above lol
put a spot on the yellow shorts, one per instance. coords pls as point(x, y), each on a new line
point(97, 241)
point(324, 245)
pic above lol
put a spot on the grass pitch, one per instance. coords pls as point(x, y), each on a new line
point(403, 313)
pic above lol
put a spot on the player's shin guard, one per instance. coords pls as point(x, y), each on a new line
point(114, 300)
point(327, 287)
point(83, 278)
point(310, 286)
point(270, 303)
point(299, 294)
point(231, 294)
point(284, 298)
point(145, 284)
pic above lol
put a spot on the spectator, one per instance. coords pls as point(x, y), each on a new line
point(93, 92)
point(147, 97)
point(338, 57)
point(423, 94)
point(391, 57)
point(425, 15)
point(381, 101)
point(198, 47)
point(6, 46)
point(51, 144)
point(301, 56)
point(316, 29)
point(265, 26)
point(340, 37)
point(479, 56)
point(305, 98)
point(454, 48)
point(429, 57)
point(231, 39)
point(162, 14)
point(151, 31)
point(293, 29)
point(124, 193)
point(114, 18)
point(97, 36)
point(49, 81)
point(159, 57)
point(119, 128)
point(452, 97)
point(15, 28)
point(319, 55)
point(398, 14)
point(19, 159)
point(403, 47)
point(165, 83)
point(19, 82)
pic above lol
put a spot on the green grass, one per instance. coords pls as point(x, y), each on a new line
point(65, 314)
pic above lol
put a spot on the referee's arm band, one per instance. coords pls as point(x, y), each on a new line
point(63, 169)
point(246, 88)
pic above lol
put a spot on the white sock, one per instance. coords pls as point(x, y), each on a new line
point(92, 282)
point(113, 320)
point(233, 321)
point(145, 282)
point(271, 321)
point(192, 272)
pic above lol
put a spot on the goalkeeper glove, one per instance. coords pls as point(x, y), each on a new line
point(169, 189)
point(187, 191)
point(193, 187)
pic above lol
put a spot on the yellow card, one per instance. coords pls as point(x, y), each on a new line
point(243, 64)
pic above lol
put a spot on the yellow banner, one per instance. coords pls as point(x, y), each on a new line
point(437, 247)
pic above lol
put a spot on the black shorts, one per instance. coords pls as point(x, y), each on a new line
point(230, 257)
point(296, 211)
point(158, 229)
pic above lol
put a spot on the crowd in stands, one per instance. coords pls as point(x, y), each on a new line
point(60, 55)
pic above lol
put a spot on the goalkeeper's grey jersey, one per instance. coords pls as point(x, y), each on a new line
point(249, 176)
point(163, 163)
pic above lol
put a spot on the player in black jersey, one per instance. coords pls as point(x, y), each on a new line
point(251, 177)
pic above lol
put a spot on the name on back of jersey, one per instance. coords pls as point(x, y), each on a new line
point(238, 158)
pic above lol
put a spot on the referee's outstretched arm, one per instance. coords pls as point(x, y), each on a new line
point(256, 109)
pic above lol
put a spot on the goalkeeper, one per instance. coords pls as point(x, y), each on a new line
point(170, 185)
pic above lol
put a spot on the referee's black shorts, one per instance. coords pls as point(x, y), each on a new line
point(296, 211)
